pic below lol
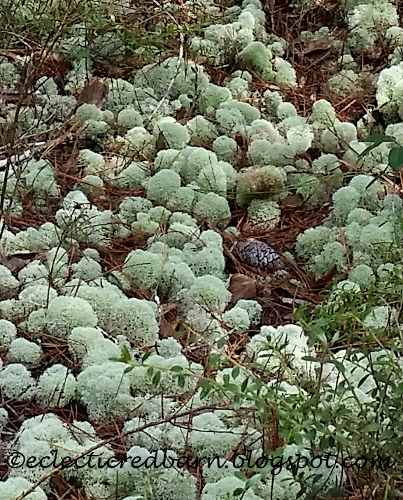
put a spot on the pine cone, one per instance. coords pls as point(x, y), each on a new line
point(257, 254)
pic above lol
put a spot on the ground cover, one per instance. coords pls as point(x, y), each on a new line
point(200, 249)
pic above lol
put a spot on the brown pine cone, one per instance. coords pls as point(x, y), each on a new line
point(257, 254)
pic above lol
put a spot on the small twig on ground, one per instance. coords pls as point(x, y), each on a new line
point(58, 469)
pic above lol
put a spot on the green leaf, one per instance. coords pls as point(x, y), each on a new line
point(362, 381)
point(372, 427)
point(342, 440)
point(387, 434)
point(310, 434)
point(176, 369)
point(206, 387)
point(396, 158)
point(240, 475)
point(178, 335)
point(221, 342)
point(310, 358)
point(378, 139)
point(181, 381)
point(156, 379)
point(252, 481)
point(319, 334)
point(235, 372)
point(367, 150)
point(205, 392)
point(298, 439)
point(145, 356)
point(238, 491)
point(126, 356)
point(256, 386)
point(244, 385)
point(215, 360)
point(231, 387)
point(399, 389)
point(301, 494)
point(237, 402)
point(255, 365)
point(129, 369)
point(339, 365)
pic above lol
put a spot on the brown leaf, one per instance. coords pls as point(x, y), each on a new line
point(168, 328)
point(184, 113)
point(161, 142)
point(94, 92)
point(292, 201)
point(324, 280)
point(242, 287)
point(240, 139)
point(14, 264)
point(169, 320)
point(200, 59)
point(317, 46)
point(60, 487)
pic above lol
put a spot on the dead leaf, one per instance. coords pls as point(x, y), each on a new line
point(168, 328)
point(200, 59)
point(324, 280)
point(184, 114)
point(292, 201)
point(317, 46)
point(162, 142)
point(169, 320)
point(240, 140)
point(14, 264)
point(242, 287)
point(93, 93)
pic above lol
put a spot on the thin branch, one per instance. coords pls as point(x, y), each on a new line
point(58, 469)
point(180, 59)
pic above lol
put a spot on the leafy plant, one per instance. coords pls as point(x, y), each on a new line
point(395, 154)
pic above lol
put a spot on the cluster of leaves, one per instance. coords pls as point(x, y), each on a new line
point(395, 159)
point(305, 417)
